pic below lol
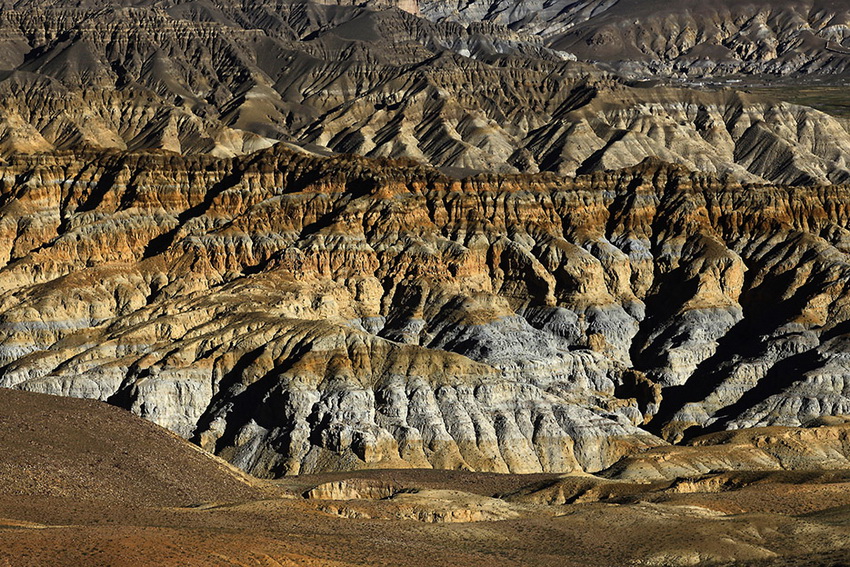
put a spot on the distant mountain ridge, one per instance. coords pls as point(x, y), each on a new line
point(228, 78)
point(685, 38)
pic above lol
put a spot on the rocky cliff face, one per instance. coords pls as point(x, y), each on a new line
point(294, 313)
point(227, 78)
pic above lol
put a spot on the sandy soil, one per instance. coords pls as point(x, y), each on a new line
point(87, 484)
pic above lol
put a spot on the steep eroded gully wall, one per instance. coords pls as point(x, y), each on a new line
point(296, 314)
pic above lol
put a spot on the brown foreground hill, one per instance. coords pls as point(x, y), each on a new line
point(89, 484)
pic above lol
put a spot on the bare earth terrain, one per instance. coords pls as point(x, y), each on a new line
point(89, 484)
point(416, 282)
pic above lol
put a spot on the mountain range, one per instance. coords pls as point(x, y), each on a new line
point(500, 237)
point(474, 88)
point(294, 313)
point(492, 282)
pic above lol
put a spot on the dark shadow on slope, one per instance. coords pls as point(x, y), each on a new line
point(123, 397)
point(355, 189)
point(781, 375)
point(261, 401)
point(163, 242)
point(595, 160)
point(580, 96)
point(709, 374)
point(104, 185)
point(840, 329)
point(741, 342)
point(672, 292)
point(619, 208)
point(227, 382)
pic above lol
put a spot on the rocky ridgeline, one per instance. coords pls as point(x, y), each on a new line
point(229, 78)
point(296, 314)
point(684, 39)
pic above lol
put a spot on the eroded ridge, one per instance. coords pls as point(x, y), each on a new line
point(296, 314)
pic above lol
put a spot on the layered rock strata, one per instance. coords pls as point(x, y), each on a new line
point(295, 314)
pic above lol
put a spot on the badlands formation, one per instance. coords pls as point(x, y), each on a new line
point(356, 241)
point(685, 38)
point(499, 91)
point(296, 314)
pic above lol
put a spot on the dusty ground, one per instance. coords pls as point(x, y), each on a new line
point(86, 484)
